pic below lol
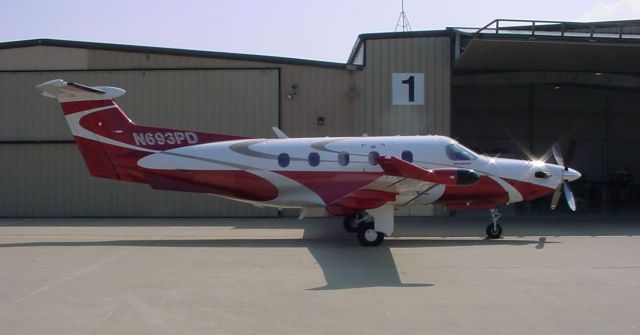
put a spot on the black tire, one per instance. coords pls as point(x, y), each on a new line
point(349, 223)
point(367, 236)
point(494, 234)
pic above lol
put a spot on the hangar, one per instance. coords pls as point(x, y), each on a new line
point(510, 88)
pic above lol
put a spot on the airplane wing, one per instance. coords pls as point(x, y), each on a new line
point(403, 182)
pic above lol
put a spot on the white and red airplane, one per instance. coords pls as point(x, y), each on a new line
point(361, 178)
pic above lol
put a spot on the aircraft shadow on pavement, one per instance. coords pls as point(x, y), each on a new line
point(345, 264)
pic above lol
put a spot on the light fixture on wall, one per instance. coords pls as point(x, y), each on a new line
point(293, 92)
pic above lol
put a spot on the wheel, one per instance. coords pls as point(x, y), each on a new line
point(350, 223)
point(494, 233)
point(367, 236)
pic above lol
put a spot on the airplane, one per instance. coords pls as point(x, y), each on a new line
point(363, 179)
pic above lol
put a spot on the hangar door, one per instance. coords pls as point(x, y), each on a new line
point(44, 174)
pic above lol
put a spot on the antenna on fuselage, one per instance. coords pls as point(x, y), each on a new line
point(279, 133)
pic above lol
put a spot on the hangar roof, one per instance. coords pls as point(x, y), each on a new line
point(168, 51)
point(519, 45)
point(391, 35)
point(533, 45)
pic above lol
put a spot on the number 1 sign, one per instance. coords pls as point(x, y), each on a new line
point(407, 88)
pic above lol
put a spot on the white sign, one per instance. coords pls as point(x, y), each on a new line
point(407, 88)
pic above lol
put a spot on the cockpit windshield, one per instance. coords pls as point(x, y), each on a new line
point(457, 152)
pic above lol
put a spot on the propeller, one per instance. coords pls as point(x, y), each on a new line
point(567, 176)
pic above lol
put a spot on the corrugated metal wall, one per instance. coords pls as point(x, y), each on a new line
point(330, 94)
point(202, 93)
point(243, 102)
point(51, 180)
point(428, 55)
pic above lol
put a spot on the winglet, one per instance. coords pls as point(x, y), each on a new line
point(279, 133)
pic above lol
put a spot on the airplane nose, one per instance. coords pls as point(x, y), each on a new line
point(571, 174)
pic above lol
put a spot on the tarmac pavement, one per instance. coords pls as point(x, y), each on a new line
point(548, 275)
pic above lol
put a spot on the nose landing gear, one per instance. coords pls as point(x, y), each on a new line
point(494, 230)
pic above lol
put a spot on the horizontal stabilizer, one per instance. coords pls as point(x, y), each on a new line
point(393, 166)
point(67, 91)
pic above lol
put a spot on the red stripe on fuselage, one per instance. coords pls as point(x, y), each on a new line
point(114, 124)
point(231, 183)
point(80, 106)
point(237, 184)
point(331, 185)
point(485, 190)
point(488, 190)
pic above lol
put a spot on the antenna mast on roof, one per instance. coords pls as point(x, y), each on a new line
point(403, 21)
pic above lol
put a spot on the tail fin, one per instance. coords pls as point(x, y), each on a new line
point(110, 143)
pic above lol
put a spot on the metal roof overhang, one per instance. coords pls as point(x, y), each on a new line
point(523, 54)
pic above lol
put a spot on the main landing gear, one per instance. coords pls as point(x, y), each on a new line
point(368, 236)
point(494, 230)
point(372, 226)
point(363, 225)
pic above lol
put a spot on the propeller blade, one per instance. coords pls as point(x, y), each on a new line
point(556, 197)
point(557, 154)
point(569, 196)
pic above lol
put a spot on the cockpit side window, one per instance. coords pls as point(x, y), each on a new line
point(457, 152)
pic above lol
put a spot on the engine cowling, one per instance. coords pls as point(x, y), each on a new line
point(455, 176)
point(446, 176)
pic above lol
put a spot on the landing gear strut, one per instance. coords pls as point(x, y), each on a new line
point(494, 230)
point(352, 222)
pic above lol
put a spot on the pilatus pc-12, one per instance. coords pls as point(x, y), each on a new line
point(362, 179)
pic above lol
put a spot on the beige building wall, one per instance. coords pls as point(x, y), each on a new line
point(51, 180)
point(427, 55)
point(221, 101)
point(210, 92)
point(179, 91)
point(330, 94)
point(47, 179)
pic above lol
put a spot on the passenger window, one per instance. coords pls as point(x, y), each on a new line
point(343, 158)
point(373, 157)
point(314, 159)
point(457, 152)
point(283, 159)
point(407, 156)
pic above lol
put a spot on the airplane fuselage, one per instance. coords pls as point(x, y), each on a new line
point(316, 172)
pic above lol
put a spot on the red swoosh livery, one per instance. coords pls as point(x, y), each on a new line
point(361, 178)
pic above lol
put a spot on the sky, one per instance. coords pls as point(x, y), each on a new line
point(321, 30)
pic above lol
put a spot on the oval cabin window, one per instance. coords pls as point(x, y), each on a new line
point(343, 158)
point(314, 159)
point(407, 156)
point(283, 159)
